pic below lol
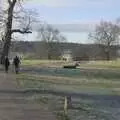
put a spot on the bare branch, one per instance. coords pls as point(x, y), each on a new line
point(13, 16)
point(106, 34)
point(20, 31)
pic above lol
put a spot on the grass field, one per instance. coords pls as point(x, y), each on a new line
point(95, 81)
point(43, 63)
point(99, 78)
point(115, 64)
point(94, 76)
point(104, 64)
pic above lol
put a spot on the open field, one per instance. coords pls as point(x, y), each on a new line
point(96, 85)
point(76, 80)
point(115, 64)
point(43, 63)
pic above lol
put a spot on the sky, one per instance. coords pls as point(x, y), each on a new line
point(75, 18)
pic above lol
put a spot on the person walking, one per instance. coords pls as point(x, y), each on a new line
point(16, 62)
point(6, 63)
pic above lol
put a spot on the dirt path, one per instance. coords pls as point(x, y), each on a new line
point(14, 106)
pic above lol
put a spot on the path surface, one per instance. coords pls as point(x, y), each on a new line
point(14, 106)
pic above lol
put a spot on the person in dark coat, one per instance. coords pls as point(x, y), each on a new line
point(6, 63)
point(16, 63)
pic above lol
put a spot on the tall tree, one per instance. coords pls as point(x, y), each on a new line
point(51, 38)
point(106, 34)
point(8, 18)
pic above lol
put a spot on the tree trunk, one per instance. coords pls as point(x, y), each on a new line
point(8, 32)
point(49, 56)
point(5, 50)
point(108, 56)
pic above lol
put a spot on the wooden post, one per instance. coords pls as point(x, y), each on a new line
point(67, 103)
point(65, 106)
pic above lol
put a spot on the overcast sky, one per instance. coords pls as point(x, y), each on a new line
point(75, 18)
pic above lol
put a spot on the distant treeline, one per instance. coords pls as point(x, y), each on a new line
point(39, 50)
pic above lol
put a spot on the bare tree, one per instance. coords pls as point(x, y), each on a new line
point(51, 38)
point(9, 15)
point(106, 34)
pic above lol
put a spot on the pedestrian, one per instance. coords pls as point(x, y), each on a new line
point(16, 62)
point(6, 63)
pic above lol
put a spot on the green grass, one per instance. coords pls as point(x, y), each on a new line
point(42, 62)
point(115, 64)
point(104, 64)
point(35, 62)
point(69, 84)
point(86, 79)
